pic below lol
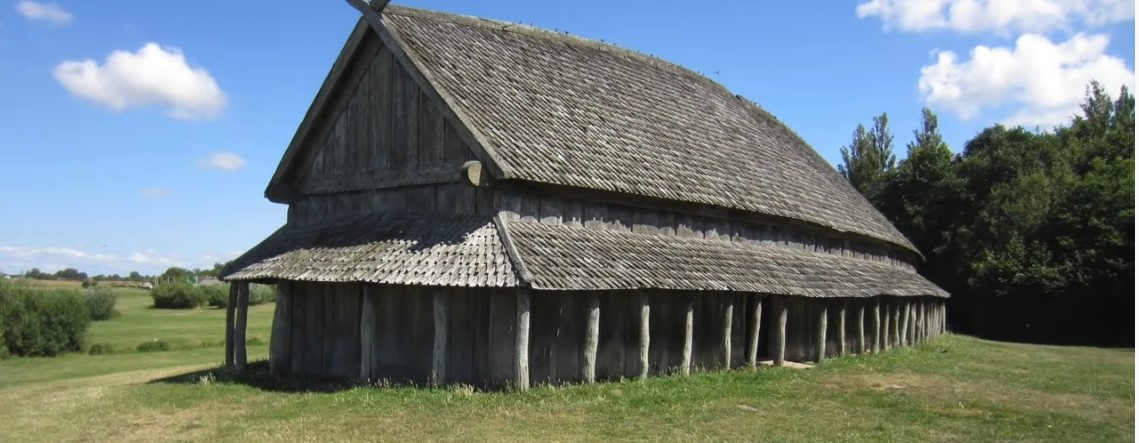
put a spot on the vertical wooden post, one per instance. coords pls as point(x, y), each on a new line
point(821, 337)
point(239, 354)
point(368, 316)
point(780, 329)
point(592, 329)
point(229, 324)
point(727, 332)
point(643, 308)
point(842, 328)
point(877, 324)
point(753, 334)
point(686, 353)
point(906, 340)
point(923, 320)
point(943, 319)
point(439, 351)
point(522, 341)
point(861, 326)
point(279, 349)
point(886, 336)
point(895, 323)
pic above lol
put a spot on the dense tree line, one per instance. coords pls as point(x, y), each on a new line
point(1032, 232)
point(170, 274)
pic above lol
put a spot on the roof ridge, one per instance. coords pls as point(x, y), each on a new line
point(536, 31)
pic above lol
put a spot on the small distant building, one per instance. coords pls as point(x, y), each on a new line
point(480, 202)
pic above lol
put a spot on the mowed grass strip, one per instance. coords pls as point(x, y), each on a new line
point(179, 328)
point(953, 389)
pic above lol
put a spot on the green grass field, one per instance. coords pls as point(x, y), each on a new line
point(955, 388)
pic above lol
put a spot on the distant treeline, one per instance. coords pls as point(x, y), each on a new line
point(1032, 232)
point(171, 274)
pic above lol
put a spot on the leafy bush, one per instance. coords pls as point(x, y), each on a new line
point(216, 295)
point(43, 322)
point(100, 303)
point(155, 345)
point(101, 349)
point(259, 294)
point(176, 296)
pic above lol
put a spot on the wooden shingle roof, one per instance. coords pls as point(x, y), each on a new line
point(452, 250)
point(553, 108)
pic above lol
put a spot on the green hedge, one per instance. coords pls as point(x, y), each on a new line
point(187, 296)
point(41, 321)
point(100, 303)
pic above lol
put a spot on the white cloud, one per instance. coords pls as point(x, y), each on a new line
point(16, 259)
point(48, 12)
point(1045, 80)
point(151, 76)
point(151, 258)
point(996, 16)
point(226, 161)
point(155, 192)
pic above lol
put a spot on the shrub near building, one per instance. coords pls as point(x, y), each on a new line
point(41, 322)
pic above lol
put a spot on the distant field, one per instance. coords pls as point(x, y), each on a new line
point(952, 389)
point(179, 328)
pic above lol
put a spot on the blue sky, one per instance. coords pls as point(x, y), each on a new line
point(139, 135)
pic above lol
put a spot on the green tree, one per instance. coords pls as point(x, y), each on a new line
point(869, 158)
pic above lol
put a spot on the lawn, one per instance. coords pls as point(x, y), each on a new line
point(180, 328)
point(954, 388)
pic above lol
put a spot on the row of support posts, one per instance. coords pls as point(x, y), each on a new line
point(895, 321)
point(236, 317)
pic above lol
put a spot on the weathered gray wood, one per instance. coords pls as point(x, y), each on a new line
point(280, 341)
point(887, 337)
point(780, 329)
point(501, 321)
point(895, 336)
point(686, 351)
point(366, 181)
point(906, 338)
point(367, 332)
point(229, 324)
point(753, 334)
point(592, 330)
point(821, 335)
point(842, 327)
point(877, 325)
point(642, 306)
point(439, 351)
point(239, 325)
point(522, 340)
point(727, 306)
point(861, 326)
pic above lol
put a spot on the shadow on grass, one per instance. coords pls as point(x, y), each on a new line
point(257, 375)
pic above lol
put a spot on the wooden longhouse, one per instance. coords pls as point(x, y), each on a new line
point(479, 202)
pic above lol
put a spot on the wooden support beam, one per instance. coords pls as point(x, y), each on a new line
point(642, 306)
point(780, 329)
point(842, 328)
point(821, 335)
point(239, 355)
point(280, 356)
point(905, 308)
point(726, 334)
point(895, 323)
point(439, 351)
point(230, 307)
point(686, 353)
point(861, 326)
point(753, 334)
point(877, 325)
point(886, 316)
point(368, 337)
point(522, 340)
point(592, 330)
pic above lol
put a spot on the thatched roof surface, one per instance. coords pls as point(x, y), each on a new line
point(566, 257)
point(558, 109)
point(447, 250)
point(443, 250)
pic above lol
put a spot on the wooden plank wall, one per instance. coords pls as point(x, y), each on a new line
point(518, 203)
point(324, 335)
point(388, 148)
